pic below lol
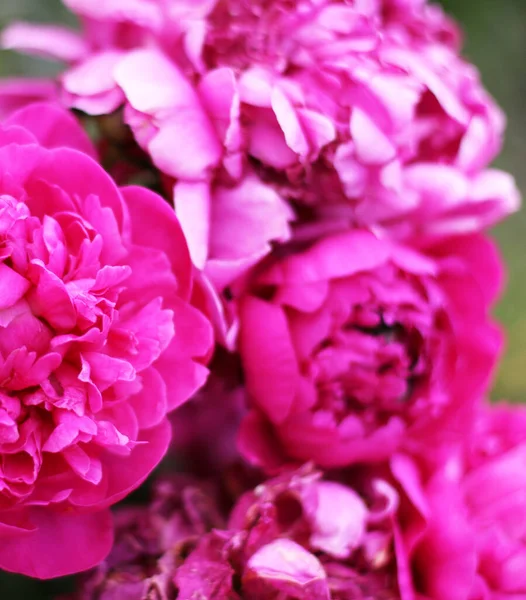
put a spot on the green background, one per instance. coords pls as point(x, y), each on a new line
point(495, 33)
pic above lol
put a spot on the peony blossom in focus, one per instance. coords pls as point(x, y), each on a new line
point(357, 346)
point(324, 114)
point(98, 342)
point(298, 537)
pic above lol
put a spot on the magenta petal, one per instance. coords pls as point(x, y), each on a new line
point(207, 558)
point(406, 472)
point(180, 364)
point(193, 333)
point(372, 145)
point(332, 446)
point(289, 122)
point(150, 404)
point(94, 182)
point(271, 370)
point(122, 474)
point(12, 286)
point(17, 93)
point(480, 257)
point(332, 257)
point(50, 299)
point(53, 127)
point(447, 554)
point(222, 272)
point(141, 12)
point(57, 543)
point(155, 225)
point(15, 135)
point(246, 219)
point(219, 94)
point(184, 378)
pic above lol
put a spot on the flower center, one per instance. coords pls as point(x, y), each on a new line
point(368, 364)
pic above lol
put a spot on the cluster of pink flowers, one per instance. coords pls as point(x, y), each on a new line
point(392, 531)
point(276, 226)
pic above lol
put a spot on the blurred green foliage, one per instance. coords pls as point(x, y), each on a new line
point(495, 36)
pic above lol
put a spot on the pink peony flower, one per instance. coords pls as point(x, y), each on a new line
point(324, 113)
point(98, 341)
point(359, 345)
point(297, 537)
point(211, 189)
point(474, 542)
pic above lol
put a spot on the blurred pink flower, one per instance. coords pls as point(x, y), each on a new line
point(328, 114)
point(17, 93)
point(296, 537)
point(205, 428)
point(98, 342)
point(359, 345)
point(474, 543)
point(182, 508)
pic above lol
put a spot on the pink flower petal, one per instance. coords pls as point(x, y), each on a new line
point(339, 521)
point(48, 545)
point(12, 286)
point(271, 370)
point(53, 127)
point(49, 41)
point(192, 207)
point(285, 567)
point(156, 226)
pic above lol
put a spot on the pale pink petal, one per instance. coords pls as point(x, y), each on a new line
point(339, 521)
point(142, 12)
point(91, 84)
point(372, 145)
point(192, 207)
point(186, 146)
point(49, 41)
point(285, 567)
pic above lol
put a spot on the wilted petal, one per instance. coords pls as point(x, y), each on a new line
point(286, 567)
